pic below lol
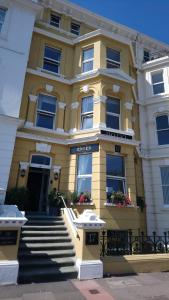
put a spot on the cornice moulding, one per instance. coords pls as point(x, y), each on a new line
point(155, 63)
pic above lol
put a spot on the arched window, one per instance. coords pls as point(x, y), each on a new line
point(40, 161)
point(46, 111)
point(162, 125)
point(2, 16)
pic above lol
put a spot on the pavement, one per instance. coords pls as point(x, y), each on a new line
point(154, 286)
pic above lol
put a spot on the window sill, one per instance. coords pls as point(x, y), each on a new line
point(82, 204)
point(116, 205)
point(50, 72)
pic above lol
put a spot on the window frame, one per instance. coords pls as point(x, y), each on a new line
point(72, 30)
point(86, 114)
point(114, 114)
point(53, 61)
point(5, 9)
point(112, 61)
point(34, 165)
point(46, 113)
point(55, 15)
point(86, 175)
point(157, 83)
point(165, 185)
point(120, 178)
point(87, 60)
point(161, 130)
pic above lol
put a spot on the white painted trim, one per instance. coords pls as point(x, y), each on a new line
point(35, 128)
point(74, 105)
point(89, 269)
point(43, 148)
point(155, 63)
point(8, 272)
point(100, 99)
point(33, 98)
point(128, 105)
point(61, 105)
point(23, 165)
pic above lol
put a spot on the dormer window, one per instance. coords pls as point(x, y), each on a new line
point(55, 20)
point(2, 17)
point(75, 28)
point(146, 56)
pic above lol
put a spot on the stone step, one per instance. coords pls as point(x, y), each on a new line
point(38, 228)
point(37, 233)
point(42, 262)
point(37, 254)
point(45, 246)
point(48, 239)
point(45, 222)
point(47, 274)
point(42, 217)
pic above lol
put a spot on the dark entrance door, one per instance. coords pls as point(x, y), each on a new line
point(38, 182)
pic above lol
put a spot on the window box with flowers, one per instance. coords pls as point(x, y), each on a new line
point(118, 199)
point(81, 199)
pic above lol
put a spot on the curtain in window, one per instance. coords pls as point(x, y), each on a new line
point(47, 103)
point(85, 164)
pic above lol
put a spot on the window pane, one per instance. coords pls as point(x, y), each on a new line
point(2, 14)
point(146, 56)
point(111, 64)
point(115, 165)
point(113, 105)
point(75, 28)
point(114, 185)
point(87, 122)
point(44, 121)
point(85, 164)
point(88, 66)
point(87, 104)
point(165, 183)
point(157, 77)
point(88, 54)
point(51, 66)
point(113, 54)
point(83, 185)
point(163, 137)
point(162, 122)
point(158, 88)
point(112, 121)
point(47, 103)
point(52, 53)
point(40, 160)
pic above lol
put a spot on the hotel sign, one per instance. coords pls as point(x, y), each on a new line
point(84, 149)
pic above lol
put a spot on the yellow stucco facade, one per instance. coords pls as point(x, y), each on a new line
point(68, 88)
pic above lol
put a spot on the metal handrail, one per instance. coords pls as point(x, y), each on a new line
point(70, 214)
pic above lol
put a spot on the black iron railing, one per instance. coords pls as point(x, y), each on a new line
point(120, 243)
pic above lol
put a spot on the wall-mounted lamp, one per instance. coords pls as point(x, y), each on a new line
point(56, 176)
point(56, 171)
point(22, 172)
point(23, 168)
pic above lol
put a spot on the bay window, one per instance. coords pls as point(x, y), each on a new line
point(84, 173)
point(46, 111)
point(113, 113)
point(115, 172)
point(2, 16)
point(87, 59)
point(113, 58)
point(51, 61)
point(87, 112)
point(158, 82)
point(165, 183)
point(162, 125)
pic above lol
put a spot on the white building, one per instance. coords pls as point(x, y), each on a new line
point(153, 85)
point(17, 18)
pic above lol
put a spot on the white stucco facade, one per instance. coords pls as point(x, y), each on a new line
point(15, 39)
point(154, 155)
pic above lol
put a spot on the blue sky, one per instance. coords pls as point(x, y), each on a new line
point(148, 16)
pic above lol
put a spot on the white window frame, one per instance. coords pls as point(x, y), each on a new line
point(2, 22)
point(114, 114)
point(123, 179)
point(86, 114)
point(42, 166)
point(57, 23)
point(54, 61)
point(112, 61)
point(157, 83)
point(87, 60)
point(83, 176)
point(166, 185)
point(159, 130)
point(44, 112)
point(77, 31)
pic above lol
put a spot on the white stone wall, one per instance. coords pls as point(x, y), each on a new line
point(154, 155)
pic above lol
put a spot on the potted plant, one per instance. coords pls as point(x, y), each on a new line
point(85, 198)
point(74, 197)
point(54, 201)
point(119, 199)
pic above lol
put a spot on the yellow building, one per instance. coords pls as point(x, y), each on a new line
point(80, 128)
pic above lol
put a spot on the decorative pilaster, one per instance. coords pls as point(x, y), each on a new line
point(60, 117)
point(32, 109)
point(128, 124)
point(99, 112)
point(74, 107)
